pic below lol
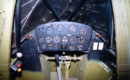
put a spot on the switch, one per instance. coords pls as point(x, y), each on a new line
point(18, 65)
point(19, 70)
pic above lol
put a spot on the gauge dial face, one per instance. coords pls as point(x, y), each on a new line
point(64, 39)
point(81, 39)
point(72, 28)
point(50, 30)
point(48, 39)
point(50, 46)
point(44, 46)
point(73, 39)
point(41, 40)
point(80, 47)
point(56, 39)
point(72, 47)
point(60, 27)
point(83, 30)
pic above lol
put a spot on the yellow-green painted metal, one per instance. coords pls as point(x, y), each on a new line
point(6, 21)
point(121, 10)
point(83, 70)
point(92, 70)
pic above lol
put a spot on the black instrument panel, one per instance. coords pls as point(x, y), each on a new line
point(63, 36)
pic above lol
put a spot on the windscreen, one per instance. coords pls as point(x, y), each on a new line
point(94, 13)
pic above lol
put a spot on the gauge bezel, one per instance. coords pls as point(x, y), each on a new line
point(83, 28)
point(72, 25)
point(72, 41)
point(56, 41)
point(58, 27)
point(49, 41)
point(48, 33)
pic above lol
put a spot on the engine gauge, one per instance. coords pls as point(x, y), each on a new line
point(64, 39)
point(83, 30)
point(60, 27)
point(72, 28)
point(44, 46)
point(50, 46)
point(73, 39)
point(48, 39)
point(72, 47)
point(81, 39)
point(41, 40)
point(80, 47)
point(56, 39)
point(50, 30)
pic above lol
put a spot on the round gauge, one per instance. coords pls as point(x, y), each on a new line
point(83, 30)
point(50, 30)
point(48, 39)
point(80, 47)
point(64, 39)
point(41, 40)
point(72, 28)
point(56, 39)
point(44, 46)
point(73, 39)
point(72, 47)
point(81, 39)
point(50, 46)
point(60, 28)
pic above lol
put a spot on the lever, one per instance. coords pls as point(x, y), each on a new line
point(57, 66)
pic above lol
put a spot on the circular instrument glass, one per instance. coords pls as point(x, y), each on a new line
point(80, 47)
point(60, 27)
point(72, 28)
point(73, 39)
point(81, 39)
point(72, 47)
point(83, 30)
point(64, 39)
point(50, 30)
point(48, 39)
point(56, 39)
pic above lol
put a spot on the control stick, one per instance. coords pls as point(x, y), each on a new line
point(57, 66)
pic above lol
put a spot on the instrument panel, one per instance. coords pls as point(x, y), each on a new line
point(63, 36)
